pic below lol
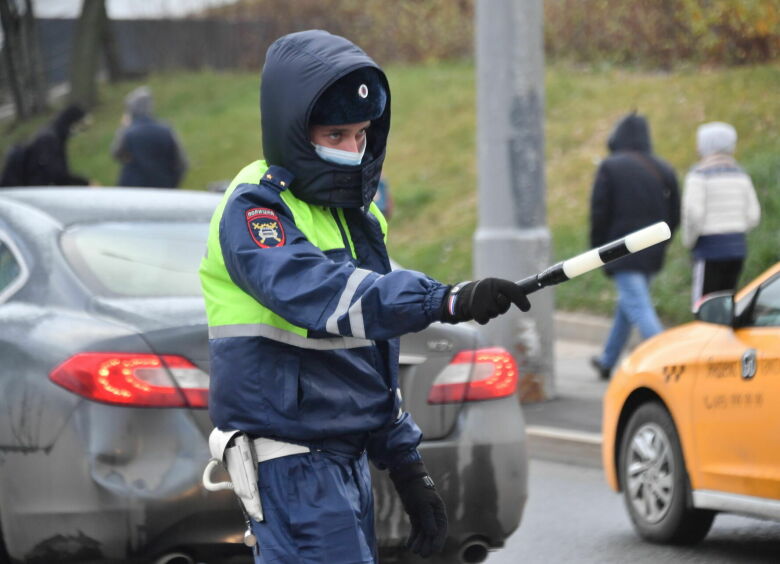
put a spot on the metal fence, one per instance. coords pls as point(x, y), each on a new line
point(146, 46)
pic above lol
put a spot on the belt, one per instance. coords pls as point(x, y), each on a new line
point(268, 449)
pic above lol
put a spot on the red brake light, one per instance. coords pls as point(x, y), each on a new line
point(138, 380)
point(476, 375)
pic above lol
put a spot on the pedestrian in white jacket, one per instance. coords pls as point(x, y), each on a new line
point(719, 206)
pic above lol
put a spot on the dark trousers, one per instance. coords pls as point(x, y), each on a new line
point(715, 276)
point(319, 509)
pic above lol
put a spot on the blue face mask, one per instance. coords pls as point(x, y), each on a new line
point(338, 156)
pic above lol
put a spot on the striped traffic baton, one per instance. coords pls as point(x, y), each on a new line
point(594, 258)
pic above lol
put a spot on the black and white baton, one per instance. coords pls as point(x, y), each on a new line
point(594, 258)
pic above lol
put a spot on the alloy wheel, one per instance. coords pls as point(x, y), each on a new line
point(650, 473)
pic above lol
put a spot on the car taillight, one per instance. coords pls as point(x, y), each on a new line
point(476, 375)
point(137, 380)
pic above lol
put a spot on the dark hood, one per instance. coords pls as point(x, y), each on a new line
point(66, 119)
point(632, 133)
point(298, 68)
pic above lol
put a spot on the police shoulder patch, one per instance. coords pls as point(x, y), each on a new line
point(265, 227)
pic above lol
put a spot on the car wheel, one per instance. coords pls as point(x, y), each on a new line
point(655, 484)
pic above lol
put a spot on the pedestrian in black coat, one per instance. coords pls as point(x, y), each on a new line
point(45, 161)
point(633, 189)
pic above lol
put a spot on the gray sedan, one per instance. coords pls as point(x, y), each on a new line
point(104, 389)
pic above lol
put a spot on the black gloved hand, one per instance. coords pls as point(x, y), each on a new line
point(424, 507)
point(482, 300)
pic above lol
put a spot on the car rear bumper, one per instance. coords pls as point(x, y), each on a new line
point(481, 472)
point(116, 483)
point(131, 487)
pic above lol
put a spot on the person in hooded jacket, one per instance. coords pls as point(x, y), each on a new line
point(305, 313)
point(633, 188)
point(149, 151)
point(44, 160)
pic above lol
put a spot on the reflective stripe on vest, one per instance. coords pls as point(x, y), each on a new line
point(282, 336)
point(231, 312)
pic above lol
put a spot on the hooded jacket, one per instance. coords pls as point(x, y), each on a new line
point(46, 159)
point(316, 59)
point(633, 188)
point(149, 151)
point(304, 312)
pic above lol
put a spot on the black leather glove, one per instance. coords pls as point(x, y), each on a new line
point(424, 507)
point(482, 300)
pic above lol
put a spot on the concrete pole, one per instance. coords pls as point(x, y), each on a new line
point(512, 240)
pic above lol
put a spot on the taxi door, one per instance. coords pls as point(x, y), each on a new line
point(736, 405)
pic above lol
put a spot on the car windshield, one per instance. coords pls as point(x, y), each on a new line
point(141, 259)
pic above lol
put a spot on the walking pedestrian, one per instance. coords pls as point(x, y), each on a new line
point(305, 313)
point(150, 153)
point(633, 188)
point(719, 207)
point(44, 160)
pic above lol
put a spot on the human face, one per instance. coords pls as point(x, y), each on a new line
point(346, 137)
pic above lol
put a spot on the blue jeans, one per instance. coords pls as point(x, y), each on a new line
point(634, 308)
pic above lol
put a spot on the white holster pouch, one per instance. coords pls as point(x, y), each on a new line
point(241, 459)
point(241, 462)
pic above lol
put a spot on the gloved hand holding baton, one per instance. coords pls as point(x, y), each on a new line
point(595, 258)
point(482, 300)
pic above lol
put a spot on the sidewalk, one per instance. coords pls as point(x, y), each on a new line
point(568, 427)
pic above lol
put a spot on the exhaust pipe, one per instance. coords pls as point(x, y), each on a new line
point(175, 558)
point(472, 551)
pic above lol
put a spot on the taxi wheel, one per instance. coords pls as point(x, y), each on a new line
point(655, 483)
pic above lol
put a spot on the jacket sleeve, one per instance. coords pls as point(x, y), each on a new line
point(52, 161)
point(395, 444)
point(673, 202)
point(300, 283)
point(119, 145)
point(753, 215)
point(600, 209)
point(692, 209)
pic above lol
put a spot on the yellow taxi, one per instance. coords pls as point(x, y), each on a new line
point(691, 422)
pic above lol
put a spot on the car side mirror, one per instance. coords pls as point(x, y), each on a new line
point(716, 308)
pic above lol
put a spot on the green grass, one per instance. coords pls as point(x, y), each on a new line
point(582, 107)
point(214, 114)
point(431, 163)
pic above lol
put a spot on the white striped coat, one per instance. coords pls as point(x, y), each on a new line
point(718, 197)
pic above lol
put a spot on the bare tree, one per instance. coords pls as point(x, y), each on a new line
point(22, 58)
point(85, 53)
point(94, 37)
point(110, 49)
point(36, 81)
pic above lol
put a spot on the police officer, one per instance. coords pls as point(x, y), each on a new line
point(305, 313)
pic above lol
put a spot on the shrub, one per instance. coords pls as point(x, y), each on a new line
point(663, 33)
point(660, 34)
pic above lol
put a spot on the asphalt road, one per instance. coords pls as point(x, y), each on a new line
point(573, 517)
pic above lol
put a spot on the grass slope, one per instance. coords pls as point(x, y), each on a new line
point(431, 163)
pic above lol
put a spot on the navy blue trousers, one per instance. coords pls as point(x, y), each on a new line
point(318, 508)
